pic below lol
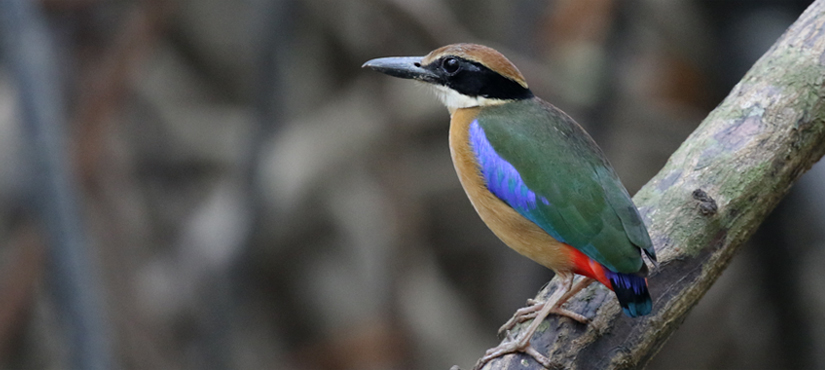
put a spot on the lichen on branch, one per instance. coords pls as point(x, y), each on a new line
point(742, 159)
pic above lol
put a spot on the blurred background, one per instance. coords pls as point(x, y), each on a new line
point(239, 194)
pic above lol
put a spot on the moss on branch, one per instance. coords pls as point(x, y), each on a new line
point(744, 157)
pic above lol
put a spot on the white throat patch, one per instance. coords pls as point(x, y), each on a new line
point(455, 100)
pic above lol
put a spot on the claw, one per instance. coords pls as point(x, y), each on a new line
point(512, 345)
point(522, 314)
point(537, 311)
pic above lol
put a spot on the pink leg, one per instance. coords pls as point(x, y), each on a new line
point(529, 312)
point(537, 311)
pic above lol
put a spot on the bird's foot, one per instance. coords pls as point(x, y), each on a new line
point(522, 314)
point(531, 310)
point(513, 345)
point(537, 311)
point(575, 316)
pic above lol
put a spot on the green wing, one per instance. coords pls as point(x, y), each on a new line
point(544, 165)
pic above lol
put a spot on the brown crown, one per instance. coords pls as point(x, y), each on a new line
point(486, 56)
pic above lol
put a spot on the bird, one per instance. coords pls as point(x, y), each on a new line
point(538, 180)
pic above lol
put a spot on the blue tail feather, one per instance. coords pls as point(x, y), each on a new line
point(631, 290)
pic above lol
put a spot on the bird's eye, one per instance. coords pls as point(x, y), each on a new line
point(450, 65)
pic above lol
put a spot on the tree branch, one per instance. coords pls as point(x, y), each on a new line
point(705, 203)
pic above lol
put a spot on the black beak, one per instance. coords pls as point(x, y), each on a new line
point(403, 67)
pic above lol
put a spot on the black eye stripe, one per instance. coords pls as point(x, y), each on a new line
point(474, 79)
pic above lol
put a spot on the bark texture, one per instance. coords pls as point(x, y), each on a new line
point(705, 203)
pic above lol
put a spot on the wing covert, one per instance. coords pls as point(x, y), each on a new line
point(549, 170)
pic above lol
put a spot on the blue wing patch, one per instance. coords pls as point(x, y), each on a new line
point(504, 181)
